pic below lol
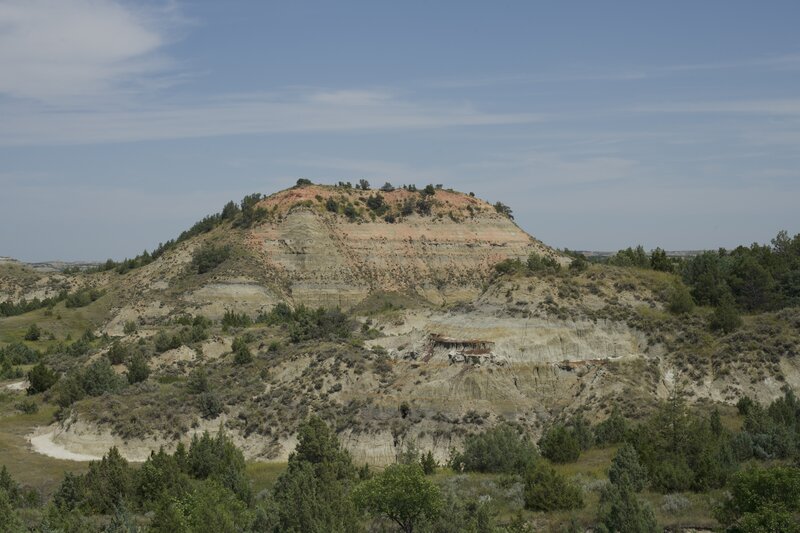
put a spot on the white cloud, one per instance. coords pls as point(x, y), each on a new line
point(56, 50)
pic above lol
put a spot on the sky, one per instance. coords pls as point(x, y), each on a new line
point(601, 124)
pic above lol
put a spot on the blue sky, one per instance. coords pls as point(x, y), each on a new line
point(602, 124)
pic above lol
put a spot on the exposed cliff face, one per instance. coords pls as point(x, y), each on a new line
point(327, 258)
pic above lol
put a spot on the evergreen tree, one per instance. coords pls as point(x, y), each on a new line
point(428, 463)
point(9, 519)
point(625, 468)
point(560, 445)
point(680, 299)
point(219, 459)
point(660, 261)
point(108, 482)
point(40, 379)
point(33, 333)
point(547, 490)
point(312, 495)
point(503, 448)
point(621, 510)
point(726, 317)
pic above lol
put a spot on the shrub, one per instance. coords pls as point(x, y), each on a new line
point(163, 342)
point(376, 204)
point(547, 490)
point(99, 378)
point(503, 448)
point(680, 300)
point(674, 503)
point(18, 353)
point(332, 205)
point(424, 206)
point(757, 493)
point(744, 405)
point(69, 390)
point(33, 333)
point(560, 445)
point(40, 379)
point(726, 317)
point(508, 266)
point(208, 508)
point(407, 208)
point(130, 327)
point(579, 264)
point(236, 320)
point(241, 352)
point(27, 406)
point(611, 430)
point(198, 381)
point(210, 405)
point(117, 353)
point(503, 209)
point(306, 324)
point(83, 297)
point(209, 257)
point(138, 370)
point(538, 263)
point(582, 431)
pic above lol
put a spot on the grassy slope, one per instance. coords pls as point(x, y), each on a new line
point(61, 322)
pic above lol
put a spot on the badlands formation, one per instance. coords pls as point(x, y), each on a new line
point(443, 345)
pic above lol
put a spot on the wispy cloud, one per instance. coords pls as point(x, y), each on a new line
point(312, 111)
point(57, 50)
point(782, 107)
point(621, 74)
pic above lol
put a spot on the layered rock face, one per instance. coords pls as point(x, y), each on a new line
point(325, 258)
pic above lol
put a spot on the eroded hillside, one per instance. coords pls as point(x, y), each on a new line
point(435, 343)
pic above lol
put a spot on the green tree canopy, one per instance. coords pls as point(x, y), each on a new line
point(401, 493)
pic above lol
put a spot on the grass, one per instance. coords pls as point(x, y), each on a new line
point(592, 464)
point(263, 475)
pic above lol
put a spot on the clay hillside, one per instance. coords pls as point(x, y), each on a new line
point(399, 315)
